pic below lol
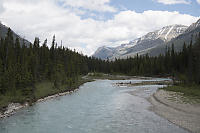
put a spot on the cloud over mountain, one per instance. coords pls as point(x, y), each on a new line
point(44, 18)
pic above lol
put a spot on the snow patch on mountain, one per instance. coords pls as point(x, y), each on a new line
point(142, 44)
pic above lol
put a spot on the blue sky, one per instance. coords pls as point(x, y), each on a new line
point(141, 5)
point(191, 8)
point(86, 25)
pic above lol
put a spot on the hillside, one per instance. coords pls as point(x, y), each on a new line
point(4, 30)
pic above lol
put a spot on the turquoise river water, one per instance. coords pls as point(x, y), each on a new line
point(97, 107)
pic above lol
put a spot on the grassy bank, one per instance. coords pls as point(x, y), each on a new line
point(41, 90)
point(47, 88)
point(190, 91)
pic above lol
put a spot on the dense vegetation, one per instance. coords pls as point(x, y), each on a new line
point(23, 67)
point(184, 65)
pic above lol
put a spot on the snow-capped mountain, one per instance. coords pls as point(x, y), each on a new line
point(141, 45)
point(190, 33)
point(166, 33)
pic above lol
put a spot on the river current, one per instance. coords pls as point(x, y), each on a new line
point(97, 107)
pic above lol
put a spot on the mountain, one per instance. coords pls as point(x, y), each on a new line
point(4, 30)
point(193, 26)
point(104, 52)
point(141, 45)
point(190, 33)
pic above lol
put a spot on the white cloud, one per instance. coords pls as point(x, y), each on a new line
point(44, 18)
point(198, 1)
point(171, 2)
point(94, 5)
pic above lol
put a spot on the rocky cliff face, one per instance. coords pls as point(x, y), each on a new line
point(104, 52)
point(193, 26)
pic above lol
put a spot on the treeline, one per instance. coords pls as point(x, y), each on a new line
point(183, 65)
point(22, 66)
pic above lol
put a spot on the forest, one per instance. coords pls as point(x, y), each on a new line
point(22, 66)
point(183, 65)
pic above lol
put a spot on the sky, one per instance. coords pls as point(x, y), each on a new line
point(85, 25)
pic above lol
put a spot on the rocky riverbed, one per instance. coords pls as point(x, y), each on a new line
point(12, 108)
point(171, 106)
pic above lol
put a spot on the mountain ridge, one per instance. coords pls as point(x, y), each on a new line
point(190, 34)
point(140, 45)
point(3, 33)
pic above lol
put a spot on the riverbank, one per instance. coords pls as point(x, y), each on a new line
point(177, 108)
point(129, 84)
point(95, 75)
point(44, 91)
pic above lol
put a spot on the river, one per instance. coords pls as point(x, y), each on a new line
point(97, 107)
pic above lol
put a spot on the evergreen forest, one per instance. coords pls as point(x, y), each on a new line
point(22, 66)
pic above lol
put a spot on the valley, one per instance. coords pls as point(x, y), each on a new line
point(91, 66)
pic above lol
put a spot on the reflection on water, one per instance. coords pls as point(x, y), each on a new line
point(97, 107)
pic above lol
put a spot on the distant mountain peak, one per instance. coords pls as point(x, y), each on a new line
point(166, 33)
point(104, 52)
point(141, 44)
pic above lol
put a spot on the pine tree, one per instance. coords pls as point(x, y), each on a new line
point(190, 63)
point(1, 76)
point(196, 61)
